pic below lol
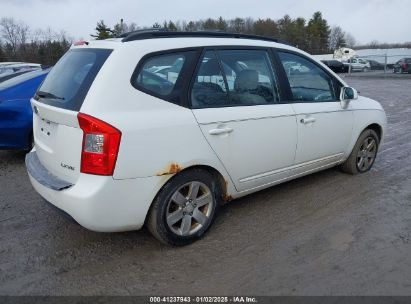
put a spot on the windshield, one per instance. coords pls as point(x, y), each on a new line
point(68, 82)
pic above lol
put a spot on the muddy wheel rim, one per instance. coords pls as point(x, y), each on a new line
point(189, 208)
point(366, 154)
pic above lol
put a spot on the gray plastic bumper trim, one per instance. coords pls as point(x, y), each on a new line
point(42, 175)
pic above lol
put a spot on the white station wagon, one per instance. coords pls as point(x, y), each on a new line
point(119, 146)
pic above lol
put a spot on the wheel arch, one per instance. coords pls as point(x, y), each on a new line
point(375, 127)
point(223, 182)
point(374, 120)
point(226, 185)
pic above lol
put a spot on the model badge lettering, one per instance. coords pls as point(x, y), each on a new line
point(67, 166)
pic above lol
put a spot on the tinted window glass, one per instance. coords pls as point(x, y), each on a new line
point(308, 82)
point(250, 80)
point(209, 89)
point(234, 78)
point(159, 74)
point(68, 82)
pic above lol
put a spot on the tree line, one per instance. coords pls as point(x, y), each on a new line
point(314, 35)
point(20, 43)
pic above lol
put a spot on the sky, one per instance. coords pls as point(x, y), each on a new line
point(367, 20)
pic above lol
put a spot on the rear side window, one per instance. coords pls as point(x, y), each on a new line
point(161, 75)
point(251, 80)
point(228, 78)
point(68, 82)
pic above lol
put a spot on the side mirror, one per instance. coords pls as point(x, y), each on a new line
point(348, 93)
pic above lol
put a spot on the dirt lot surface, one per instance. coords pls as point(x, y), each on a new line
point(325, 234)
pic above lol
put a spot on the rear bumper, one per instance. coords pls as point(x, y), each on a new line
point(99, 203)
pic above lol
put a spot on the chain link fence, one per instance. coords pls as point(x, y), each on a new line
point(370, 62)
point(379, 64)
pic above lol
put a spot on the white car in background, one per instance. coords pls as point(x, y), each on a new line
point(357, 64)
point(118, 147)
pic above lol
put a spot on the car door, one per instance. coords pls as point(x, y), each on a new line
point(324, 126)
point(250, 129)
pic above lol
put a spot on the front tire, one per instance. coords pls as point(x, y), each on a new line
point(363, 154)
point(185, 208)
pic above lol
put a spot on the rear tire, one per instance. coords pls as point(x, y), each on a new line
point(185, 208)
point(363, 155)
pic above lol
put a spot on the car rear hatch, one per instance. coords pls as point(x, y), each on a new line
point(57, 133)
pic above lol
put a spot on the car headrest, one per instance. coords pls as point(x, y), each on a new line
point(246, 80)
point(209, 68)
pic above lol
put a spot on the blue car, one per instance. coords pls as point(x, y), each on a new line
point(16, 116)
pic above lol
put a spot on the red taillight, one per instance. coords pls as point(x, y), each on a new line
point(101, 143)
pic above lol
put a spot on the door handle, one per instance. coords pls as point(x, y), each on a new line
point(307, 120)
point(220, 131)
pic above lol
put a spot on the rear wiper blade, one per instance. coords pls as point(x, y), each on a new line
point(43, 94)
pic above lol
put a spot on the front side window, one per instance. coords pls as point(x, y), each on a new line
point(234, 78)
point(308, 82)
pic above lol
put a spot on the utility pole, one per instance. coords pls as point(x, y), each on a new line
point(385, 65)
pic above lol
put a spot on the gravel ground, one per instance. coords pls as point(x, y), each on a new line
point(325, 234)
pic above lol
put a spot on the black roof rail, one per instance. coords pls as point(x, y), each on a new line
point(142, 31)
point(164, 33)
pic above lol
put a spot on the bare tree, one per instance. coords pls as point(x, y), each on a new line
point(14, 33)
point(374, 44)
point(336, 39)
point(350, 40)
point(237, 25)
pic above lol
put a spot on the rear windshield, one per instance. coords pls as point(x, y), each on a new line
point(68, 82)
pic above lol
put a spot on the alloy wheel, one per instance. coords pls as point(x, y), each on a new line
point(189, 208)
point(366, 154)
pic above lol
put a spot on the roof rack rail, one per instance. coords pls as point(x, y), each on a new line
point(164, 33)
point(142, 31)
